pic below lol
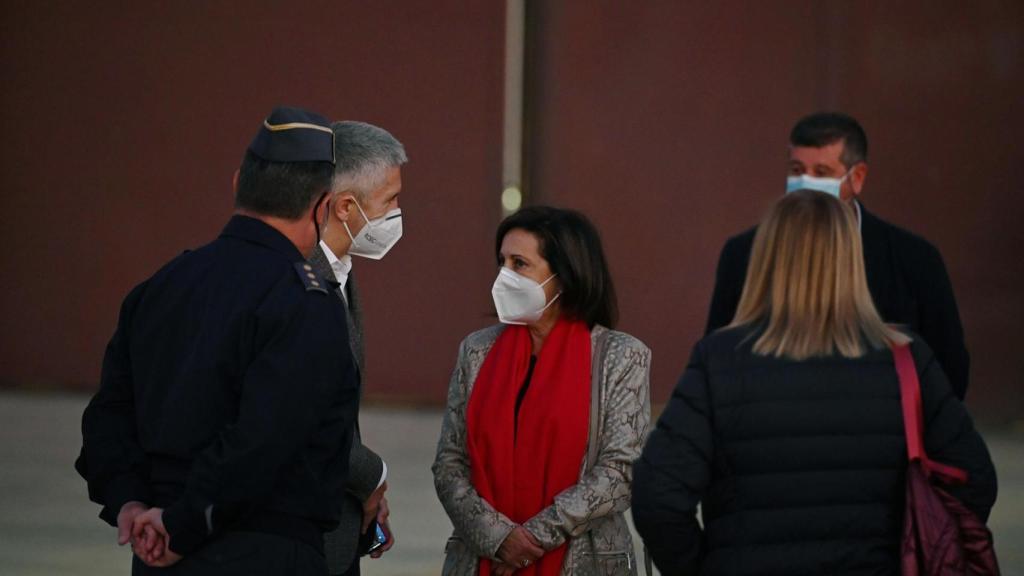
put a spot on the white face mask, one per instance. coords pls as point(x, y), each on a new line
point(518, 299)
point(377, 236)
point(808, 182)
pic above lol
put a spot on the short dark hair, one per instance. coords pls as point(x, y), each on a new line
point(826, 128)
point(282, 189)
point(572, 247)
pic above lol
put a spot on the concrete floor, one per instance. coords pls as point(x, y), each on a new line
point(48, 526)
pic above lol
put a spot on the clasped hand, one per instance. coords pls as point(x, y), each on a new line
point(144, 528)
point(519, 550)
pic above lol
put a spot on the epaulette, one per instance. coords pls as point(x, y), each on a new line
point(310, 280)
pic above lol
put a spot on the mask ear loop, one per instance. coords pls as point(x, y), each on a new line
point(556, 295)
point(546, 306)
point(316, 223)
point(847, 177)
point(361, 213)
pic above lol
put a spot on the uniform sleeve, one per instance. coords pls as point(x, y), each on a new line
point(479, 523)
point(940, 320)
point(950, 436)
point(605, 489)
point(729, 278)
point(297, 376)
point(112, 461)
point(673, 473)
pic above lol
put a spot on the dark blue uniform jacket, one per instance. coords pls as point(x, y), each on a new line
point(224, 397)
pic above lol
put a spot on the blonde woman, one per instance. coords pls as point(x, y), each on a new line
point(786, 426)
point(546, 413)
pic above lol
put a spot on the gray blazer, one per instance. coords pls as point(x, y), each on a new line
point(589, 515)
point(364, 466)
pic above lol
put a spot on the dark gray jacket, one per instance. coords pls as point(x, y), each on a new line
point(365, 466)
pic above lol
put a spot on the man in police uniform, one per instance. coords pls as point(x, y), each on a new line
point(218, 442)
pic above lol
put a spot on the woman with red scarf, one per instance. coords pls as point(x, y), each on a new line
point(546, 413)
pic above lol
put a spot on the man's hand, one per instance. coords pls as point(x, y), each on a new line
point(125, 518)
point(520, 548)
point(372, 506)
point(151, 541)
point(382, 520)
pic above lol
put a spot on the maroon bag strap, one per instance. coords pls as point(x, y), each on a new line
point(910, 396)
point(913, 419)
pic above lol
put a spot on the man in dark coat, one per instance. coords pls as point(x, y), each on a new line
point(362, 208)
point(906, 274)
point(219, 439)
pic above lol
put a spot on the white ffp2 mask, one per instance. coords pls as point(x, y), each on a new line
point(518, 299)
point(377, 236)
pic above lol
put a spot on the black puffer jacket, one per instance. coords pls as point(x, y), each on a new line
point(798, 466)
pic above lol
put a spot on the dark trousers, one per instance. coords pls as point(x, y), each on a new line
point(244, 554)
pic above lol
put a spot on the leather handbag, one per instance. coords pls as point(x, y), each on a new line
point(941, 536)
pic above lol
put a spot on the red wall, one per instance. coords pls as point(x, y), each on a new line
point(125, 122)
point(666, 122)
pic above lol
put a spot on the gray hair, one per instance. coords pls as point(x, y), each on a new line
point(363, 153)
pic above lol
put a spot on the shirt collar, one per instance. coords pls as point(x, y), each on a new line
point(259, 232)
point(860, 219)
point(341, 266)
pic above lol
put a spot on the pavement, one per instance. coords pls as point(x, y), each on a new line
point(48, 526)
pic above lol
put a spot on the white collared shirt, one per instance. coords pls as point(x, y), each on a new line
point(340, 266)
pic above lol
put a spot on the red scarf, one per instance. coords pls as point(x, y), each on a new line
point(521, 473)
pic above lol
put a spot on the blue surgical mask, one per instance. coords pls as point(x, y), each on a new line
point(808, 182)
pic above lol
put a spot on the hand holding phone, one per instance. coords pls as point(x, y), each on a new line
point(372, 540)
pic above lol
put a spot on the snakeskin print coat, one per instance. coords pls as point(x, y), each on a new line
point(590, 514)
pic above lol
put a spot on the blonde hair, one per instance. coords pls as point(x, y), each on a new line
point(806, 283)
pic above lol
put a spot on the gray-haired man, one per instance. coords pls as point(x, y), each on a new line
point(364, 220)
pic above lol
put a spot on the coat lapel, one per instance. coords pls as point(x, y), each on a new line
point(355, 320)
point(350, 300)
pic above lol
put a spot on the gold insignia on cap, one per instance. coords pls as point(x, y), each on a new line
point(294, 125)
